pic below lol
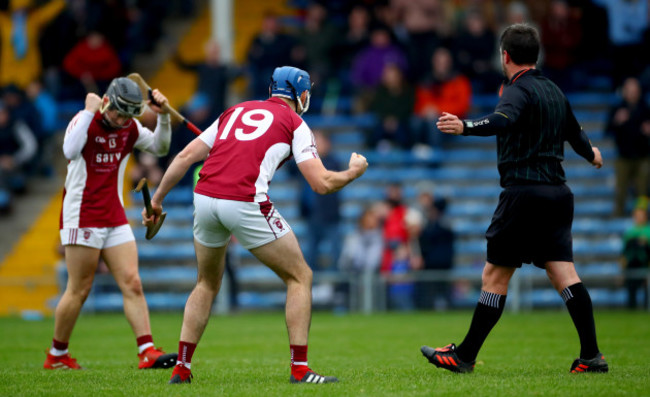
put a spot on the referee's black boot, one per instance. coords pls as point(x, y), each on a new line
point(446, 357)
point(596, 364)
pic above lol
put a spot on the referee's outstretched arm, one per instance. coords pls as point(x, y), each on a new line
point(483, 126)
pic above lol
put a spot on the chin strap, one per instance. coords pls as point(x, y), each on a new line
point(300, 107)
point(104, 106)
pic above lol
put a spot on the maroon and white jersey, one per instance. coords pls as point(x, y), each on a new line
point(97, 157)
point(248, 143)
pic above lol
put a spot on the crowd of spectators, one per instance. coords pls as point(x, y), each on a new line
point(405, 60)
point(53, 52)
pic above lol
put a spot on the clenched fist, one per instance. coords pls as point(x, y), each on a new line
point(93, 102)
point(358, 164)
point(159, 101)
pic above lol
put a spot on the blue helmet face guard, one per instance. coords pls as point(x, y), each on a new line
point(289, 82)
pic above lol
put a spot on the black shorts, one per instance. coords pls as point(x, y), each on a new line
point(532, 224)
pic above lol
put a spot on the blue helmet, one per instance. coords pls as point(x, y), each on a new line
point(289, 82)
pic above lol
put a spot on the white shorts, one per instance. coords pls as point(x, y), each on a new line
point(97, 237)
point(254, 224)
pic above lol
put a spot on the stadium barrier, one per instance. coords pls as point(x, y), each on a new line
point(364, 292)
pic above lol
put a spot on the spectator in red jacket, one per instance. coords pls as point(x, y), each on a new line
point(561, 37)
point(444, 90)
point(94, 62)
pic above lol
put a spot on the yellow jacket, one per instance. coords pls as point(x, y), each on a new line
point(21, 72)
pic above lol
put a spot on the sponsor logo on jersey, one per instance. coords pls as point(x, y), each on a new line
point(108, 158)
point(100, 139)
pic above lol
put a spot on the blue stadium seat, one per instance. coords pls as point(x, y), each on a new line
point(351, 211)
point(471, 247)
point(596, 190)
point(256, 273)
point(601, 226)
point(594, 207)
point(485, 101)
point(180, 195)
point(464, 227)
point(154, 275)
point(167, 301)
point(611, 246)
point(584, 99)
point(351, 137)
point(315, 121)
point(470, 209)
point(468, 155)
point(286, 193)
point(167, 233)
point(589, 116)
point(261, 300)
point(166, 252)
point(589, 172)
point(599, 269)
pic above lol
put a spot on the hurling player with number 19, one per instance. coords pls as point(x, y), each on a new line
point(242, 149)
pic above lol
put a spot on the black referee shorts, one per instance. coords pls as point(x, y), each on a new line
point(532, 224)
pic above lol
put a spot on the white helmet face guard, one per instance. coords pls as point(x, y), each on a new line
point(303, 107)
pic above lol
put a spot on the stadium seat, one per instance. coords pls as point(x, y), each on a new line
point(590, 99)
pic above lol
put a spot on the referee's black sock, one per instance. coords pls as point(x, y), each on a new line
point(578, 302)
point(488, 311)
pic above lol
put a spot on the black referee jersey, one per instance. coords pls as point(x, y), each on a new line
point(532, 121)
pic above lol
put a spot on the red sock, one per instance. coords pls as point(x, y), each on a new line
point(185, 353)
point(299, 366)
point(58, 345)
point(144, 342)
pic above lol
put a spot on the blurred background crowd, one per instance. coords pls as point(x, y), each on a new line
point(402, 62)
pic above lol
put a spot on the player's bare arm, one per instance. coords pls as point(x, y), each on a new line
point(195, 151)
point(484, 126)
point(324, 181)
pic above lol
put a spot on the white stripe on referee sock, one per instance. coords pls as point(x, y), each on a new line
point(566, 294)
point(300, 363)
point(489, 299)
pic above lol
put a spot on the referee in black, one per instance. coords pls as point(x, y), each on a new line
point(532, 222)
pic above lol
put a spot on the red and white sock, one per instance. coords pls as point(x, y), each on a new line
point(299, 365)
point(58, 348)
point(185, 353)
point(144, 342)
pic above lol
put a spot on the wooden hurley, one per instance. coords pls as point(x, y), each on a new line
point(146, 196)
point(146, 92)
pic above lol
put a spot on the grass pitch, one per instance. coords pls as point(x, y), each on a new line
point(248, 355)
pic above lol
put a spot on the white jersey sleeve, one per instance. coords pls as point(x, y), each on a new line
point(76, 134)
point(156, 142)
point(209, 136)
point(303, 145)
